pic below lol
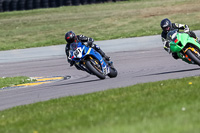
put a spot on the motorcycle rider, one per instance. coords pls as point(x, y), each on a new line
point(71, 37)
point(167, 26)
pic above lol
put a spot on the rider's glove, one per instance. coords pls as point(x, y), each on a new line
point(71, 62)
point(186, 30)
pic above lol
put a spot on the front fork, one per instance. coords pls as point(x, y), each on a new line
point(95, 63)
point(99, 66)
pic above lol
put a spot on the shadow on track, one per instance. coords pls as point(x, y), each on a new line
point(78, 82)
point(178, 71)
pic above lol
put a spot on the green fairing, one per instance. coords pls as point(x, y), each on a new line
point(183, 39)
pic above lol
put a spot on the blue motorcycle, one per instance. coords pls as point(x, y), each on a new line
point(89, 60)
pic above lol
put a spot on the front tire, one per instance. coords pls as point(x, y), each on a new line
point(193, 56)
point(93, 70)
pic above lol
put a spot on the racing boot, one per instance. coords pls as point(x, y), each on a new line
point(97, 48)
point(107, 58)
point(197, 39)
point(192, 34)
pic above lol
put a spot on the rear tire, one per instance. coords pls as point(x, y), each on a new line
point(193, 56)
point(93, 70)
point(113, 73)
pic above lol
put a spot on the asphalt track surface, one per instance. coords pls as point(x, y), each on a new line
point(138, 60)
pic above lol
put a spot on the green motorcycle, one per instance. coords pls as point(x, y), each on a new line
point(186, 47)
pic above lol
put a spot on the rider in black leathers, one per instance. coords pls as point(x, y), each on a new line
point(167, 26)
point(70, 37)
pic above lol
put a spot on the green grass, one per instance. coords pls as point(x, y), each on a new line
point(170, 106)
point(43, 27)
point(9, 81)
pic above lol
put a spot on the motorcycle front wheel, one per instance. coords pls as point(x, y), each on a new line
point(94, 70)
point(193, 56)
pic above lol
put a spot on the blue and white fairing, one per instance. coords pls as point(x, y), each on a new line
point(79, 52)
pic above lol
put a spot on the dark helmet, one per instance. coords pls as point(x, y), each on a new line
point(70, 37)
point(166, 25)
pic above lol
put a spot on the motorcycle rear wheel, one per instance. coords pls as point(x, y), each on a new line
point(113, 73)
point(93, 70)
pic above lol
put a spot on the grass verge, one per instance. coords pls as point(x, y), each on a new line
point(43, 27)
point(170, 106)
point(9, 81)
